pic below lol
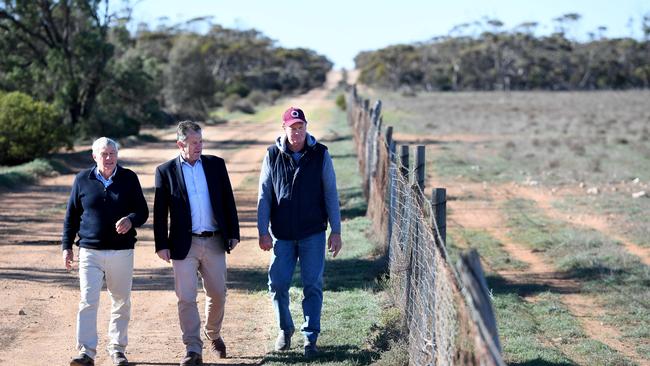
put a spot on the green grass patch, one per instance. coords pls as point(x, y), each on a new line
point(544, 332)
point(490, 249)
point(631, 212)
point(615, 278)
point(250, 182)
point(340, 144)
point(347, 319)
point(523, 340)
point(456, 162)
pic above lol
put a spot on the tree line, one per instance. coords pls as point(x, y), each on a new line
point(493, 58)
point(76, 62)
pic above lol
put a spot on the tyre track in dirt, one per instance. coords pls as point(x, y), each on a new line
point(544, 200)
point(40, 299)
point(480, 212)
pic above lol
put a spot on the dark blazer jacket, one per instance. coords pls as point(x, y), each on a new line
point(171, 201)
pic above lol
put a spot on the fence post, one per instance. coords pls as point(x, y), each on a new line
point(392, 172)
point(376, 131)
point(389, 137)
point(420, 165)
point(476, 291)
point(439, 203)
point(404, 156)
point(368, 157)
point(404, 196)
point(377, 112)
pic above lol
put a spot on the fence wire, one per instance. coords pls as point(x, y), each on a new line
point(444, 327)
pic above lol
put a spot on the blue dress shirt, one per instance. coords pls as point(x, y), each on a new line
point(199, 197)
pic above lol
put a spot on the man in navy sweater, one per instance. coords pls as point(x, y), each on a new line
point(298, 196)
point(105, 206)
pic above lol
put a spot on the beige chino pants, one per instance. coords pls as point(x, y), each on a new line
point(206, 257)
point(116, 268)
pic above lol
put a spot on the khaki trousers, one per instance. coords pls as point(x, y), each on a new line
point(206, 257)
point(116, 268)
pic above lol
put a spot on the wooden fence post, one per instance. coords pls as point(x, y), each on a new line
point(475, 287)
point(404, 156)
point(368, 157)
point(403, 195)
point(420, 165)
point(376, 132)
point(376, 112)
point(392, 173)
point(389, 137)
point(439, 203)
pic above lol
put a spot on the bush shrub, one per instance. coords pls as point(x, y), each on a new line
point(340, 101)
point(235, 103)
point(257, 97)
point(27, 173)
point(28, 129)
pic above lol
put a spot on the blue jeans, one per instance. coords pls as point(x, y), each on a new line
point(311, 253)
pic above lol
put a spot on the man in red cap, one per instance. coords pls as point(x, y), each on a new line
point(297, 197)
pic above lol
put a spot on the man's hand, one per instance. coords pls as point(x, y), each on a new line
point(232, 243)
point(68, 257)
point(266, 243)
point(123, 225)
point(334, 244)
point(164, 254)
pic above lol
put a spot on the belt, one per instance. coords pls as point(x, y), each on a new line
point(206, 234)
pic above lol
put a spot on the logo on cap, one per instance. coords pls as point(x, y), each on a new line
point(293, 115)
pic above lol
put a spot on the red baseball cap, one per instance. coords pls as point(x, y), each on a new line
point(293, 115)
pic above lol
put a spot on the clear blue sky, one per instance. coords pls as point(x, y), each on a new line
point(340, 29)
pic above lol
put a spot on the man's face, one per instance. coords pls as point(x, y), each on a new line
point(296, 133)
point(106, 159)
point(192, 146)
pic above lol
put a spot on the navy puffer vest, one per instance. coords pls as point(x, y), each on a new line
point(298, 206)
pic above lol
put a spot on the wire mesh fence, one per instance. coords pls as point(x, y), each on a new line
point(446, 309)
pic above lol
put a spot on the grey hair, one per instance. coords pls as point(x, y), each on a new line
point(102, 142)
point(186, 127)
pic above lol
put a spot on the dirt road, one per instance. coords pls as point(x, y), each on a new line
point(40, 299)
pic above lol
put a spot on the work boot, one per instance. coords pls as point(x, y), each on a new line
point(311, 350)
point(119, 359)
point(218, 347)
point(82, 360)
point(283, 342)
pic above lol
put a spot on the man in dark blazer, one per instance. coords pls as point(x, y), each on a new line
point(193, 191)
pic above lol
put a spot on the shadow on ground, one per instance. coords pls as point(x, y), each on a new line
point(339, 353)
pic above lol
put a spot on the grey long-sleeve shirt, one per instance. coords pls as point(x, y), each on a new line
point(265, 192)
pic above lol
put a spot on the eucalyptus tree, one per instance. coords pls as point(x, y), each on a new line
point(56, 51)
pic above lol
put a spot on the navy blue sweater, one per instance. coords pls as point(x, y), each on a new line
point(93, 211)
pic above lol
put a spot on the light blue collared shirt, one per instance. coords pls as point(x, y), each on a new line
point(105, 182)
point(199, 196)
